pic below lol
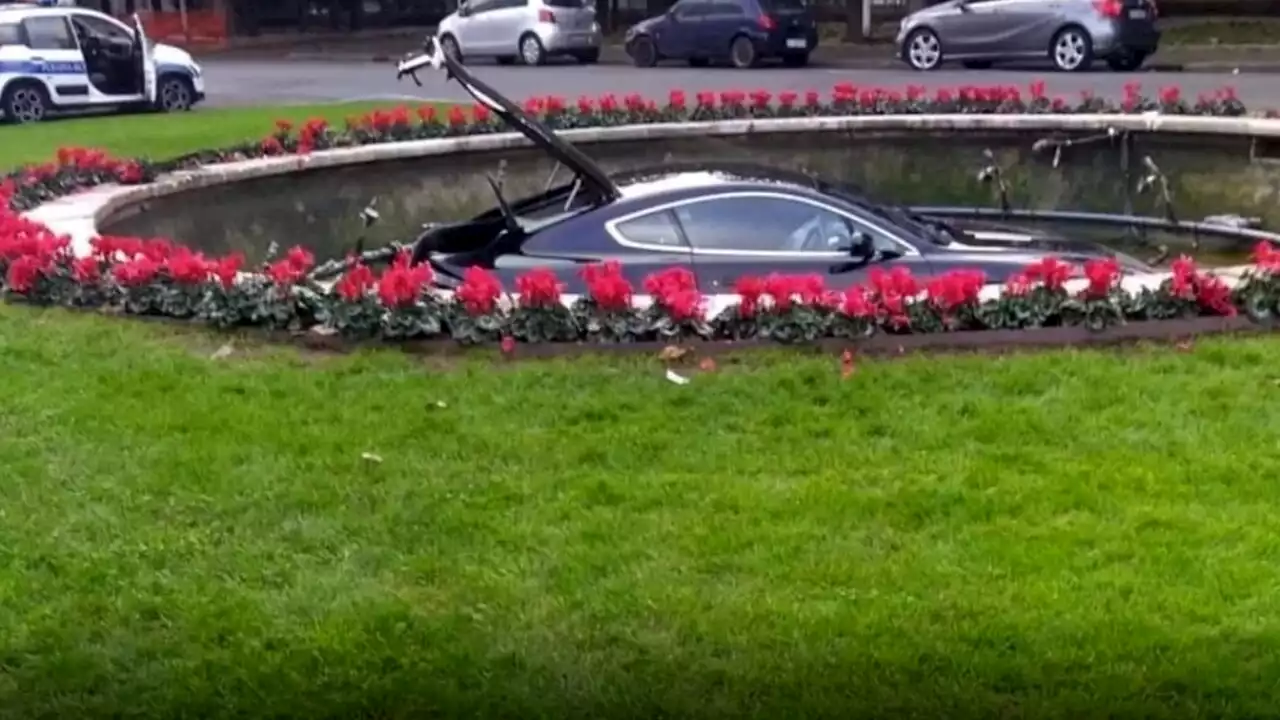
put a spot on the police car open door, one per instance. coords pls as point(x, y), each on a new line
point(146, 61)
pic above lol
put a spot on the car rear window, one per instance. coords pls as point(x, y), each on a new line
point(782, 5)
point(9, 35)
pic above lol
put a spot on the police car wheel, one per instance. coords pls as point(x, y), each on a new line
point(25, 103)
point(173, 95)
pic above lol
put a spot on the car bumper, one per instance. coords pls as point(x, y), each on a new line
point(1136, 37)
point(788, 44)
point(563, 40)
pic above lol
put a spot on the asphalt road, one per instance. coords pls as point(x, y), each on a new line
point(253, 82)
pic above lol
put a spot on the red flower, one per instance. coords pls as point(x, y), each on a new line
point(355, 283)
point(856, 302)
point(608, 103)
point(1036, 89)
point(24, 272)
point(137, 271)
point(271, 146)
point(539, 288)
point(749, 289)
point(86, 270)
point(787, 99)
point(426, 114)
point(1266, 257)
point(225, 269)
point(1052, 272)
point(761, 98)
point(812, 98)
point(457, 117)
point(402, 284)
point(479, 291)
point(293, 267)
point(607, 287)
point(186, 267)
point(585, 106)
point(1184, 275)
point(1103, 276)
point(1170, 95)
point(955, 289)
point(677, 100)
point(676, 291)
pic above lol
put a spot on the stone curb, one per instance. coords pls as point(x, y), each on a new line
point(78, 215)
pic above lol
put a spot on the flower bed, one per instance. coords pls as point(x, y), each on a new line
point(161, 279)
point(75, 169)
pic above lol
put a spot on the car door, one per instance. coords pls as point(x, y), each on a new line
point(146, 61)
point(723, 20)
point(762, 232)
point(56, 58)
point(503, 25)
point(972, 28)
point(678, 37)
point(649, 241)
point(473, 36)
point(116, 47)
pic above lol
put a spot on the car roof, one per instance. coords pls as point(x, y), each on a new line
point(677, 178)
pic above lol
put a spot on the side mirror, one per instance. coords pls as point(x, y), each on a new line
point(859, 245)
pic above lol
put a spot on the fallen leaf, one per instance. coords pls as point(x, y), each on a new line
point(371, 457)
point(222, 352)
point(707, 364)
point(1185, 346)
point(847, 366)
point(676, 378)
point(672, 353)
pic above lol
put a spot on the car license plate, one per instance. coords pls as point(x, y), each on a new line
point(1137, 14)
point(797, 43)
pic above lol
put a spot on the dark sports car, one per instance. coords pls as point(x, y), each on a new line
point(719, 220)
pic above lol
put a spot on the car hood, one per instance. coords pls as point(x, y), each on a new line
point(170, 55)
point(584, 168)
point(989, 241)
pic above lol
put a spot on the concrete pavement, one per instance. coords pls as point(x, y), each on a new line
point(253, 82)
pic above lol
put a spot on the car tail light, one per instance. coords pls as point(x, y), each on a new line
point(1108, 8)
point(546, 16)
point(767, 22)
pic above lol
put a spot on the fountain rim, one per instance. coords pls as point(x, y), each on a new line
point(78, 216)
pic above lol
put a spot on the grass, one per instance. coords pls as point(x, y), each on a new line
point(161, 136)
point(1251, 31)
point(1061, 535)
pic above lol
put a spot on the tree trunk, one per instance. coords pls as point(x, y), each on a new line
point(853, 21)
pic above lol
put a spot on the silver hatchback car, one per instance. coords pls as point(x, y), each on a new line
point(527, 30)
point(1070, 33)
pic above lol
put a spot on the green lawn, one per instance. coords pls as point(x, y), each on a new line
point(161, 136)
point(1064, 535)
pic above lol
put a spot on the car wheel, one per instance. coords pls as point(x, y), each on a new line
point(795, 59)
point(1126, 61)
point(643, 52)
point(25, 103)
point(977, 64)
point(174, 95)
point(449, 45)
point(591, 57)
point(1071, 49)
point(923, 49)
point(531, 51)
point(742, 52)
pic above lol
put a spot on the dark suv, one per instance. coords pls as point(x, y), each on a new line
point(744, 32)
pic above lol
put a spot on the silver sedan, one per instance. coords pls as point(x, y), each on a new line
point(1071, 34)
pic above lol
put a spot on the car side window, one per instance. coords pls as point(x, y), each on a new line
point(754, 223)
point(726, 10)
point(10, 35)
point(656, 229)
point(480, 6)
point(508, 4)
point(102, 29)
point(690, 9)
point(48, 33)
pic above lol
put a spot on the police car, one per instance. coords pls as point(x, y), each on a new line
point(58, 58)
